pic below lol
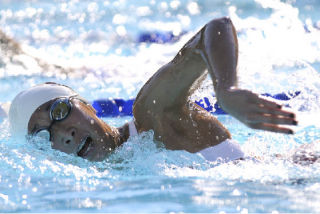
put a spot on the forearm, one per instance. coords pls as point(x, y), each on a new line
point(213, 48)
point(219, 49)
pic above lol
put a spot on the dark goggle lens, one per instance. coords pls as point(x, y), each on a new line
point(60, 109)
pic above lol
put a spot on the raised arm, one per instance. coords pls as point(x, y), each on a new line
point(219, 50)
point(215, 49)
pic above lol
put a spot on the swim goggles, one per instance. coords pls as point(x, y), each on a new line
point(59, 110)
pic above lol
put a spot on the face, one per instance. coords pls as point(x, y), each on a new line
point(81, 133)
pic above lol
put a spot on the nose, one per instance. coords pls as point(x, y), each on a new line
point(68, 137)
point(66, 140)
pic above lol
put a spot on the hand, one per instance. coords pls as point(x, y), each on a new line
point(255, 111)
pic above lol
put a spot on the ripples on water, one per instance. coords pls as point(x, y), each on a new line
point(96, 42)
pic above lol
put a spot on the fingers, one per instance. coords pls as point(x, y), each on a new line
point(270, 107)
point(273, 111)
point(276, 111)
point(260, 113)
point(283, 113)
point(269, 117)
point(273, 119)
point(271, 127)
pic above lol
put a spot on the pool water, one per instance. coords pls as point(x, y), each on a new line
point(99, 45)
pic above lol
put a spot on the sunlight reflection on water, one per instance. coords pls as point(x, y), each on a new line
point(279, 44)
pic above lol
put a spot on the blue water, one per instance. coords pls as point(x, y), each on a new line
point(99, 42)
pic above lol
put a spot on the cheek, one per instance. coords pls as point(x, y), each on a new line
point(91, 121)
point(59, 145)
point(56, 145)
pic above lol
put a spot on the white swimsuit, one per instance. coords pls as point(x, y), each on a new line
point(132, 129)
point(226, 151)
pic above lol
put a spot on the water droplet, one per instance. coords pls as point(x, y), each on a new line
point(236, 192)
point(193, 8)
point(121, 30)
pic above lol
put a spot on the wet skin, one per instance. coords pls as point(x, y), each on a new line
point(82, 129)
point(162, 104)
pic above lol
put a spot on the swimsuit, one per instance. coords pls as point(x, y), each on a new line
point(132, 129)
point(226, 151)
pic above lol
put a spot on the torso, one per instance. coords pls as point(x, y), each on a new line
point(191, 129)
point(162, 104)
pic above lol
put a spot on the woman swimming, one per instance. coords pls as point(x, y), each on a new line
point(162, 105)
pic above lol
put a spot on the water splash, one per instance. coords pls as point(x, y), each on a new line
point(276, 46)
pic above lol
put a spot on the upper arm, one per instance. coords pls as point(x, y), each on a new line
point(170, 86)
point(213, 48)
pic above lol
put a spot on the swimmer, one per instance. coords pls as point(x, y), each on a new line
point(162, 105)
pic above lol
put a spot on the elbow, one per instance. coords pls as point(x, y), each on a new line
point(223, 21)
point(221, 27)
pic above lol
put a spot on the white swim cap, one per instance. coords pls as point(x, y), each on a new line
point(26, 102)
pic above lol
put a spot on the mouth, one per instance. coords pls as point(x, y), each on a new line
point(85, 146)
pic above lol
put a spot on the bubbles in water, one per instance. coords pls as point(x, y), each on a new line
point(279, 52)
